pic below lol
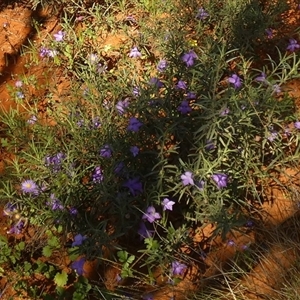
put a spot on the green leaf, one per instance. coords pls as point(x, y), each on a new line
point(123, 256)
point(27, 266)
point(130, 259)
point(61, 279)
point(47, 251)
point(20, 246)
point(53, 242)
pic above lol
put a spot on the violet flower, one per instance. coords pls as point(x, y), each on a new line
point(97, 176)
point(200, 184)
point(297, 125)
point(134, 125)
point(78, 266)
point(144, 232)
point(151, 215)
point(17, 228)
point(191, 96)
point(167, 204)
point(59, 36)
point(235, 80)
point(122, 105)
point(272, 136)
point(178, 268)
point(189, 58)
point(78, 240)
point(134, 185)
point(184, 107)
point(29, 187)
point(32, 120)
point(261, 78)
point(276, 88)
point(225, 112)
point(293, 45)
point(202, 14)
point(269, 33)
point(154, 81)
point(134, 53)
point(187, 178)
point(106, 151)
point(220, 179)
point(18, 84)
point(134, 150)
point(162, 65)
point(55, 203)
point(181, 85)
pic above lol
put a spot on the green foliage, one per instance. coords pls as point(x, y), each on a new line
point(61, 279)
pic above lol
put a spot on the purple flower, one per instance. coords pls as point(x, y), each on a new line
point(9, 209)
point(101, 68)
point(134, 53)
point(189, 58)
point(122, 105)
point(78, 266)
point(272, 136)
point(106, 151)
point(156, 82)
point(29, 187)
point(225, 112)
point(231, 243)
point(32, 120)
point(134, 185)
point(59, 36)
point(73, 211)
point(184, 107)
point(220, 179)
point(200, 184)
point(269, 33)
point(93, 58)
point(95, 123)
point(191, 96)
point(162, 65)
point(17, 228)
point(134, 150)
point(119, 168)
point(18, 83)
point(151, 215)
point(134, 125)
point(78, 240)
point(276, 89)
point(167, 204)
point(44, 52)
point(181, 85)
point(293, 45)
point(210, 145)
point(297, 124)
point(55, 161)
point(202, 14)
point(178, 268)
point(97, 175)
point(235, 80)
point(144, 232)
point(261, 78)
point(55, 203)
point(20, 95)
point(136, 91)
point(187, 178)
point(249, 224)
